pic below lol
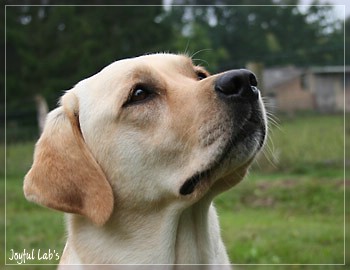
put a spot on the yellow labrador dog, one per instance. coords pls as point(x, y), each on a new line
point(136, 154)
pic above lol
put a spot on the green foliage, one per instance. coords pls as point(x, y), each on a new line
point(268, 33)
point(347, 40)
point(53, 47)
point(50, 48)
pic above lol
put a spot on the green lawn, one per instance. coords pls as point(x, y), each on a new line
point(305, 144)
point(289, 210)
point(286, 220)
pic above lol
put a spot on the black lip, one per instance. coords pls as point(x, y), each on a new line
point(188, 187)
point(190, 184)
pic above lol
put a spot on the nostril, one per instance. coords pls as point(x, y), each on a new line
point(252, 80)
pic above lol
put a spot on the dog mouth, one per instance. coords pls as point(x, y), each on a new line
point(253, 129)
point(189, 186)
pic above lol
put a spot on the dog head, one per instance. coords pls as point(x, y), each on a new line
point(151, 129)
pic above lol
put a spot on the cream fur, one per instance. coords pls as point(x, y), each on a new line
point(118, 169)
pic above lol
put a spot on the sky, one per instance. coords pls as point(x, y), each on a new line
point(341, 7)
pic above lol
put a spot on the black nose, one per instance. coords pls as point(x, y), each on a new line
point(238, 83)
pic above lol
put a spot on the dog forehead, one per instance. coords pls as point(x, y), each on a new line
point(159, 61)
point(163, 58)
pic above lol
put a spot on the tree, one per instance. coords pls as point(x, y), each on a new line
point(274, 34)
point(51, 48)
point(347, 40)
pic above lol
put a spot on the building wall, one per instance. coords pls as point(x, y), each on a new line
point(329, 92)
point(325, 92)
point(291, 97)
point(322, 90)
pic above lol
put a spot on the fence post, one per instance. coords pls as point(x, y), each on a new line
point(42, 110)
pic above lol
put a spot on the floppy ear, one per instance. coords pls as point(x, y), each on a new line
point(64, 174)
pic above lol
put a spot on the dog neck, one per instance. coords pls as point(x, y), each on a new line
point(162, 236)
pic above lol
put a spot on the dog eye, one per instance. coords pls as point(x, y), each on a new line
point(201, 75)
point(139, 94)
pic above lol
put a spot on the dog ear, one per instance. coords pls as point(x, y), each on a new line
point(64, 175)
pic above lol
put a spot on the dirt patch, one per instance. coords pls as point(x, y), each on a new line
point(342, 183)
point(286, 183)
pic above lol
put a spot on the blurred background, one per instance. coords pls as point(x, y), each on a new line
point(290, 209)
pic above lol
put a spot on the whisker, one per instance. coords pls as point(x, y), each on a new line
point(187, 46)
point(202, 60)
point(197, 52)
point(270, 154)
point(273, 122)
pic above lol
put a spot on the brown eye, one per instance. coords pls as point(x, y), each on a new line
point(139, 94)
point(201, 75)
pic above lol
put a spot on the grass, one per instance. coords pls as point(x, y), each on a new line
point(28, 226)
point(289, 220)
point(305, 144)
point(288, 212)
